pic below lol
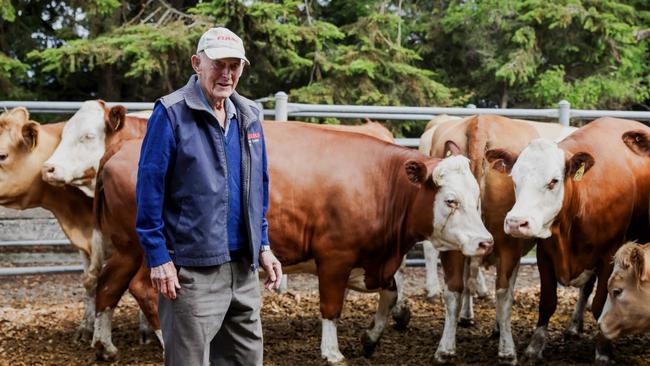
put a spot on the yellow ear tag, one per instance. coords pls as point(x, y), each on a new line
point(117, 125)
point(579, 173)
point(33, 145)
point(448, 154)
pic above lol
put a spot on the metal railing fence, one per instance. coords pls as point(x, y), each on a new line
point(284, 110)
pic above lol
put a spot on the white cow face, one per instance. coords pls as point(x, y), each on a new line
point(76, 160)
point(626, 309)
point(457, 223)
point(539, 175)
point(20, 158)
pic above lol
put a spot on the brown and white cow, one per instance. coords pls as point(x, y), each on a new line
point(344, 206)
point(626, 310)
point(583, 197)
point(24, 146)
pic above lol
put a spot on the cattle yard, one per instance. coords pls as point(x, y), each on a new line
point(40, 313)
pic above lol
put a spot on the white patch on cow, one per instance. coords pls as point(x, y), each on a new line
point(447, 346)
point(158, 333)
point(432, 284)
point(467, 302)
point(538, 176)
point(102, 334)
point(505, 298)
point(356, 280)
point(582, 278)
point(457, 221)
point(537, 343)
point(476, 280)
point(329, 343)
point(82, 146)
point(386, 300)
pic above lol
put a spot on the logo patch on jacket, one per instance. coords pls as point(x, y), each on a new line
point(253, 137)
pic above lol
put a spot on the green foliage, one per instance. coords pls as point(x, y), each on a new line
point(7, 11)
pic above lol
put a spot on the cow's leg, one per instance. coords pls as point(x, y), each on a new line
point(431, 265)
point(547, 305)
point(147, 298)
point(371, 336)
point(453, 264)
point(85, 330)
point(401, 311)
point(576, 325)
point(604, 351)
point(113, 280)
point(477, 278)
point(507, 269)
point(467, 304)
point(332, 283)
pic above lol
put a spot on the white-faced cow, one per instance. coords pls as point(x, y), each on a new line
point(583, 197)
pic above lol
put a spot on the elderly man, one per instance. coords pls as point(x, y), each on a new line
point(202, 196)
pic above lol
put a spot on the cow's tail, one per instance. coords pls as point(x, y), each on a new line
point(98, 252)
point(477, 145)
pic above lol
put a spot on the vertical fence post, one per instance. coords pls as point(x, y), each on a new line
point(564, 112)
point(281, 100)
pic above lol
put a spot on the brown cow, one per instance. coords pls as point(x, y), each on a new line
point(626, 309)
point(583, 197)
point(344, 205)
point(24, 146)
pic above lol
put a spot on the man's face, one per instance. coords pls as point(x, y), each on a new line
point(218, 78)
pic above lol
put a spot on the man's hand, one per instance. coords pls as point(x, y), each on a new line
point(165, 280)
point(273, 269)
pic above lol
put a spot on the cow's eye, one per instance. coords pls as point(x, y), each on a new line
point(452, 203)
point(551, 184)
point(616, 293)
point(88, 137)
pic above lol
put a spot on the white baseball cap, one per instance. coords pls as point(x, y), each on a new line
point(220, 43)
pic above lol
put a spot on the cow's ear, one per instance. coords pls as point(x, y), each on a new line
point(116, 118)
point(638, 141)
point(579, 164)
point(419, 172)
point(640, 262)
point(30, 135)
point(501, 160)
point(451, 149)
point(19, 113)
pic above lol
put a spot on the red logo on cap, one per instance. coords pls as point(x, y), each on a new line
point(226, 38)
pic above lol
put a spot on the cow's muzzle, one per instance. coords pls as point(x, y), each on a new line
point(484, 247)
point(517, 227)
point(51, 175)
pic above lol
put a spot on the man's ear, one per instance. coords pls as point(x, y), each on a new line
point(638, 141)
point(30, 135)
point(116, 118)
point(501, 160)
point(579, 164)
point(451, 149)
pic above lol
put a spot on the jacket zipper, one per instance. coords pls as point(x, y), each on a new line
point(246, 168)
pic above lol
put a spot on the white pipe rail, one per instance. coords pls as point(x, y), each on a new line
point(19, 271)
point(32, 243)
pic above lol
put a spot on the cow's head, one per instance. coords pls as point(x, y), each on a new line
point(540, 174)
point(20, 160)
point(457, 223)
point(76, 160)
point(626, 309)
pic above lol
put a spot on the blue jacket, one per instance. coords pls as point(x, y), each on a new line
point(182, 191)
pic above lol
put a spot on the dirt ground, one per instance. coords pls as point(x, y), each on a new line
point(39, 315)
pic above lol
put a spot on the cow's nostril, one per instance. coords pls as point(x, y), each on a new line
point(484, 244)
point(3, 157)
point(51, 169)
point(523, 224)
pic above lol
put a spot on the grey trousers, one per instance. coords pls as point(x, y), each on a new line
point(215, 319)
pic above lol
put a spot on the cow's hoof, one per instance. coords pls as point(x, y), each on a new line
point(83, 335)
point(105, 352)
point(465, 322)
point(368, 344)
point(532, 356)
point(336, 362)
point(508, 359)
point(604, 359)
point(572, 333)
point(147, 336)
point(402, 317)
point(444, 357)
